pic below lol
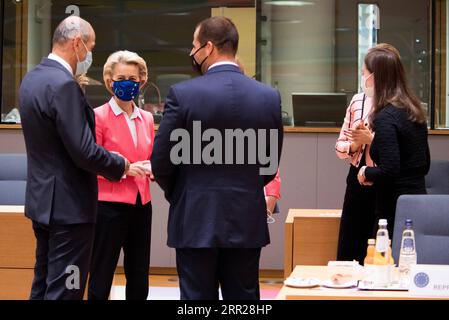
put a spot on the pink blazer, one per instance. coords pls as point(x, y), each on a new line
point(354, 114)
point(274, 187)
point(114, 135)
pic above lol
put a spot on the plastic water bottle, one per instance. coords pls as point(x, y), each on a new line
point(390, 256)
point(382, 276)
point(407, 256)
point(382, 254)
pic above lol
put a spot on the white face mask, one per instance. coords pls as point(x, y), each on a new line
point(369, 92)
point(83, 66)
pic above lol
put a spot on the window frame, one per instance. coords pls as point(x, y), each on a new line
point(433, 85)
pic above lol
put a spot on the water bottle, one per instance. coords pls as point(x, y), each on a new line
point(381, 254)
point(390, 256)
point(407, 256)
point(382, 277)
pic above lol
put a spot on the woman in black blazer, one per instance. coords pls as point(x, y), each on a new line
point(400, 148)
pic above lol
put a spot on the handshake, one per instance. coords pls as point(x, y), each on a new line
point(140, 169)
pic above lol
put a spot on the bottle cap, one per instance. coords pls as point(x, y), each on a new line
point(408, 222)
point(371, 241)
point(383, 222)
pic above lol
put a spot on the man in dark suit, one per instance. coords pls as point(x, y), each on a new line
point(218, 215)
point(63, 161)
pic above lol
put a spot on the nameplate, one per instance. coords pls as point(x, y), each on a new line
point(429, 280)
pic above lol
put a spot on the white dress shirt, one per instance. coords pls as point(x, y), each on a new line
point(129, 120)
point(64, 63)
point(221, 63)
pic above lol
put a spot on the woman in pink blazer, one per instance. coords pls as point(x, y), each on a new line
point(124, 207)
point(272, 195)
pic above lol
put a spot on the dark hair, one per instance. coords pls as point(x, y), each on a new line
point(390, 84)
point(222, 32)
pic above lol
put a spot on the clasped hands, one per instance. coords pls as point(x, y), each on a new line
point(140, 169)
point(362, 179)
point(360, 135)
point(271, 203)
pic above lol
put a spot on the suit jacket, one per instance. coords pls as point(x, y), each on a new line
point(217, 205)
point(113, 134)
point(63, 158)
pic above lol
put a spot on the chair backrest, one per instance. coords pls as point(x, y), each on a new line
point(430, 215)
point(437, 180)
point(13, 175)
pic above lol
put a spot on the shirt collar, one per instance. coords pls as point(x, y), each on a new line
point(118, 111)
point(220, 63)
point(64, 63)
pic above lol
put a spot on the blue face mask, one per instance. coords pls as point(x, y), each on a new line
point(126, 90)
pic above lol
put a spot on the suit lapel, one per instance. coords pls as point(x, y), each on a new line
point(142, 144)
point(124, 133)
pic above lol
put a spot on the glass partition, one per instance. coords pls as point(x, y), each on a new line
point(303, 48)
point(318, 47)
point(160, 31)
point(441, 113)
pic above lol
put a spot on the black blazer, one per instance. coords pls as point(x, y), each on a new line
point(216, 205)
point(400, 150)
point(63, 158)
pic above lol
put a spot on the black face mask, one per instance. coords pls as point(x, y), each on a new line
point(197, 67)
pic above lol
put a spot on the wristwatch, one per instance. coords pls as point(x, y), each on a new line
point(127, 165)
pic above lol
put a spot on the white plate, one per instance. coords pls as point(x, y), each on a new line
point(330, 284)
point(302, 282)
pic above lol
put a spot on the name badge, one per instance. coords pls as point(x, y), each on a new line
point(429, 280)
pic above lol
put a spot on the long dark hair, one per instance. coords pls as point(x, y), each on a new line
point(390, 84)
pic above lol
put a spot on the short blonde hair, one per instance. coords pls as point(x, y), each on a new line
point(126, 57)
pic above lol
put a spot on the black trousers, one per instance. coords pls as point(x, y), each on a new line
point(62, 261)
point(121, 225)
point(357, 219)
point(202, 271)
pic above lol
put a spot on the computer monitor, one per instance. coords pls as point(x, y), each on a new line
point(319, 109)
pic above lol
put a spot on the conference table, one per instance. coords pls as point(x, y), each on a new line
point(323, 293)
